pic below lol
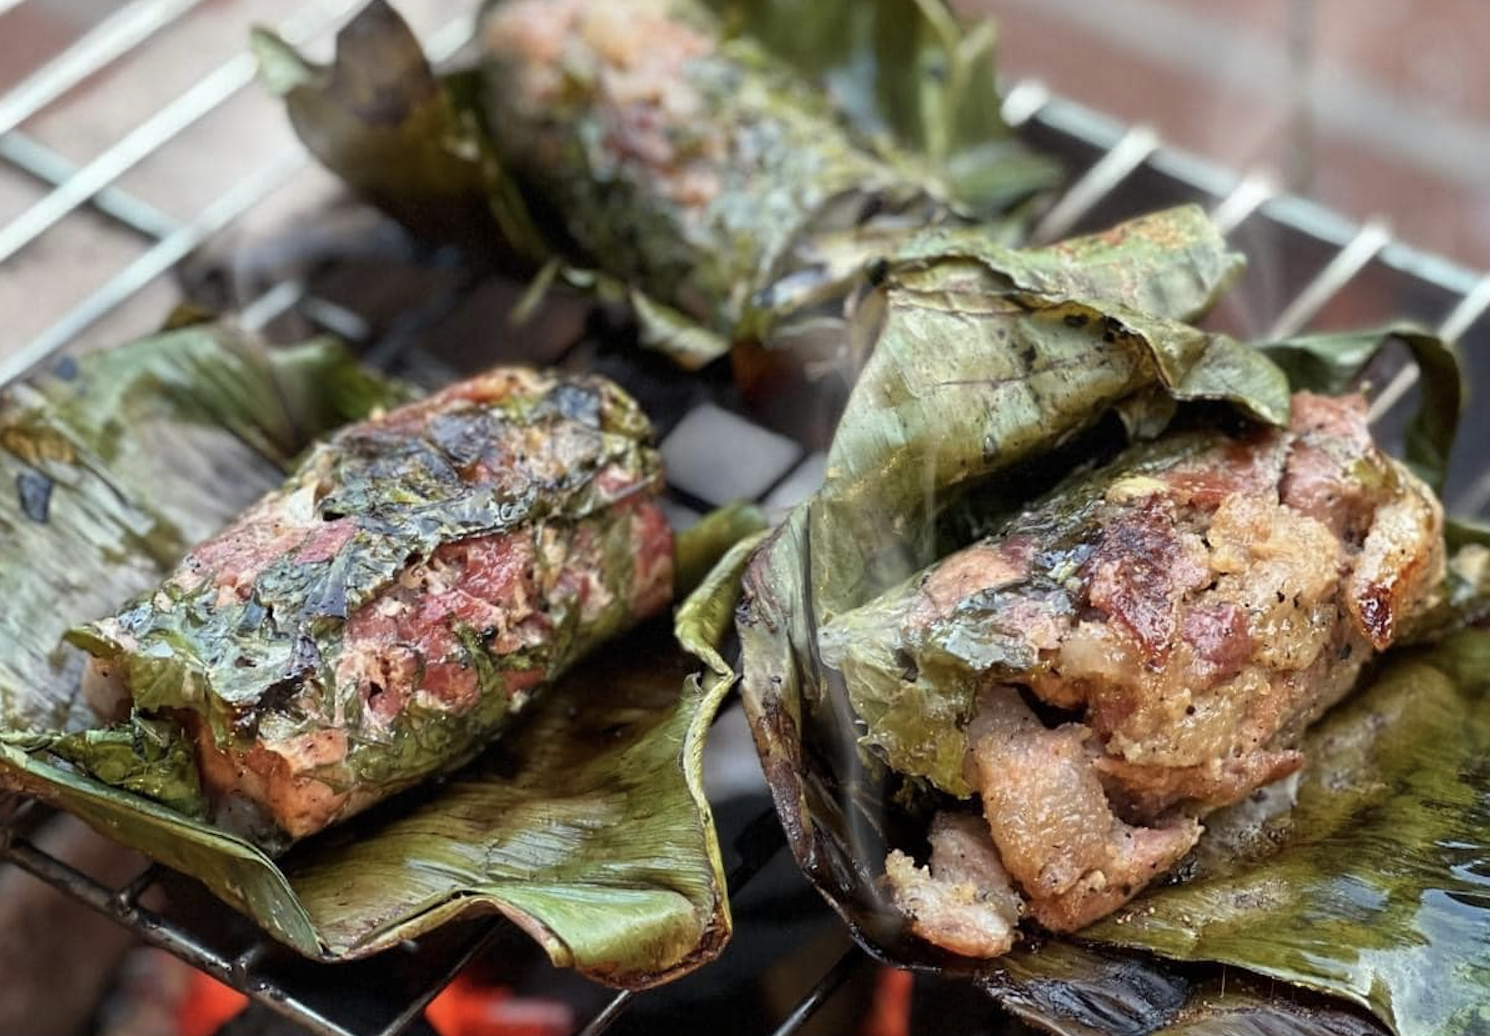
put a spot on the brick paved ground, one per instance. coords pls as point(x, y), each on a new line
point(1388, 114)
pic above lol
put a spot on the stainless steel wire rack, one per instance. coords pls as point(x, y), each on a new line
point(1310, 267)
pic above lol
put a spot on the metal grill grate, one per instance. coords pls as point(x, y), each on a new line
point(1327, 262)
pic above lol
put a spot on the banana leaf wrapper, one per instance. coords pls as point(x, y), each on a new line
point(982, 383)
point(586, 825)
point(677, 156)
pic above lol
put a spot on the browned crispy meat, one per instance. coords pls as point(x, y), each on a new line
point(1052, 822)
point(963, 901)
point(1188, 614)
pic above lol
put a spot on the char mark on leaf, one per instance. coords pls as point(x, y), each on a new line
point(326, 597)
point(35, 492)
point(579, 404)
point(464, 436)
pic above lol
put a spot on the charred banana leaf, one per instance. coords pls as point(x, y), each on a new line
point(413, 143)
point(147, 449)
point(979, 360)
point(1387, 912)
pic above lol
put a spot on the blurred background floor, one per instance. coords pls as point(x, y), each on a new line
point(1373, 108)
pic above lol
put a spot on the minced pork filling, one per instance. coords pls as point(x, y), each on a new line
point(1203, 613)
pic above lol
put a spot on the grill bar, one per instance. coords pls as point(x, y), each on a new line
point(1131, 151)
point(129, 896)
point(1243, 200)
point(761, 839)
point(609, 1013)
point(145, 139)
point(40, 161)
point(440, 980)
point(274, 303)
point(339, 320)
point(247, 193)
point(1069, 121)
point(171, 249)
point(1349, 261)
point(1470, 308)
point(1023, 101)
point(159, 932)
point(245, 962)
point(110, 40)
point(826, 986)
point(1477, 498)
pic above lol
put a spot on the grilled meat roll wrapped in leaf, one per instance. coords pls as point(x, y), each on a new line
point(387, 610)
point(1357, 880)
point(1145, 644)
point(685, 163)
point(720, 167)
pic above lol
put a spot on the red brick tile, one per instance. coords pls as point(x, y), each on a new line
point(46, 280)
point(1392, 49)
point(28, 34)
point(18, 192)
point(1267, 17)
point(1238, 130)
point(1430, 51)
point(1448, 217)
point(108, 105)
